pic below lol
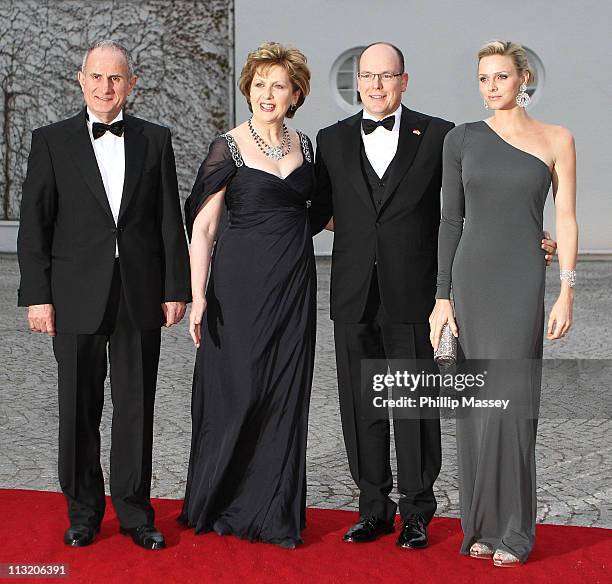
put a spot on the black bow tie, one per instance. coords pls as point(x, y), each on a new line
point(370, 125)
point(99, 129)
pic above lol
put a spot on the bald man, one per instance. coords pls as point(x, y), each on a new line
point(379, 176)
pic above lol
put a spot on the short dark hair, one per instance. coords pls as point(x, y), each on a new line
point(399, 53)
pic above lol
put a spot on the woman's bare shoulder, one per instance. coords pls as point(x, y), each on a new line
point(555, 132)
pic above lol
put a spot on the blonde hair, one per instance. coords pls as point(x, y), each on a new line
point(509, 49)
point(269, 54)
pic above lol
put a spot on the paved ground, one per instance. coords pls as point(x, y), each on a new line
point(574, 455)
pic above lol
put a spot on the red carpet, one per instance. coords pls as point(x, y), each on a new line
point(33, 523)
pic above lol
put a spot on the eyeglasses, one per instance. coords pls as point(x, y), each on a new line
point(384, 77)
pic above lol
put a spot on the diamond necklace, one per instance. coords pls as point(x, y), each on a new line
point(274, 152)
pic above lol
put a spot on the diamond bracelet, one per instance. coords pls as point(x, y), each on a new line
point(569, 276)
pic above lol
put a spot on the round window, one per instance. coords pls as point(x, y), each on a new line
point(535, 86)
point(344, 80)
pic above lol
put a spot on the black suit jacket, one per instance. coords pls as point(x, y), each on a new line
point(399, 237)
point(67, 233)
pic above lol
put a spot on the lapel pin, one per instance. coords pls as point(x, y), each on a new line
point(417, 132)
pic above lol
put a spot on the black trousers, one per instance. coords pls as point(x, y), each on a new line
point(82, 366)
point(417, 441)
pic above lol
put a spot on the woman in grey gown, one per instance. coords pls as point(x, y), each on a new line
point(496, 177)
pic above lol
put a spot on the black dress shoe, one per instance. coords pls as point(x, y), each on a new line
point(367, 529)
point(414, 533)
point(80, 535)
point(145, 536)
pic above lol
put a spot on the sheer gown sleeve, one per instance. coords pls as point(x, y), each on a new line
point(215, 172)
point(453, 208)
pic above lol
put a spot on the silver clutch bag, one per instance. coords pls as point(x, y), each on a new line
point(446, 353)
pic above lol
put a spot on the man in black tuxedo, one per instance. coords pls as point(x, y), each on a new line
point(379, 176)
point(104, 262)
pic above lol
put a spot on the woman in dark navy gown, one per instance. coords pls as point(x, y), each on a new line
point(255, 325)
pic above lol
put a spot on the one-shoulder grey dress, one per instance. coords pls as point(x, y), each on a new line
point(490, 254)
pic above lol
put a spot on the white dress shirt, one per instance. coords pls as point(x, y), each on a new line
point(381, 145)
point(110, 155)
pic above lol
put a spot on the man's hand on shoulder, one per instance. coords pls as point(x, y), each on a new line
point(41, 318)
point(173, 312)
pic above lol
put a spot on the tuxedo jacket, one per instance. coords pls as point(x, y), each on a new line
point(67, 233)
point(396, 239)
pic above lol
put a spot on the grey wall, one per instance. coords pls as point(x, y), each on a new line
point(181, 53)
point(440, 40)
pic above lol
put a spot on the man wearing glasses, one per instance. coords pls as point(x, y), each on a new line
point(379, 176)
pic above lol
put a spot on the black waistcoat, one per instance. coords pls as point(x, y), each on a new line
point(375, 184)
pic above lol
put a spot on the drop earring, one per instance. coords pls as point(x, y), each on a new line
point(522, 98)
point(486, 105)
